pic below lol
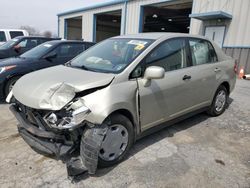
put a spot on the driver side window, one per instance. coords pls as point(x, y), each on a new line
point(67, 50)
point(170, 55)
point(28, 43)
point(23, 43)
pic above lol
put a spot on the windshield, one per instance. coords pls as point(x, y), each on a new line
point(8, 44)
point(38, 51)
point(112, 55)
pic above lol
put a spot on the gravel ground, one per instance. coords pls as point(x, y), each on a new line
point(198, 152)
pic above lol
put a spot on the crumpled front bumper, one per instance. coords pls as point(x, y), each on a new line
point(53, 144)
point(42, 141)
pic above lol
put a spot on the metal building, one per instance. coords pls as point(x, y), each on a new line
point(225, 21)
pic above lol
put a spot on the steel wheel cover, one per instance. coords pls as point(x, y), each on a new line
point(114, 143)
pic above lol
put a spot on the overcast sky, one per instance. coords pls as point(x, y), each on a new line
point(40, 14)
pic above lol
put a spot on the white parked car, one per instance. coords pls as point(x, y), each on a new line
point(8, 34)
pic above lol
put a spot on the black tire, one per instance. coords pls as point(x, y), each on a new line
point(122, 120)
point(9, 84)
point(212, 109)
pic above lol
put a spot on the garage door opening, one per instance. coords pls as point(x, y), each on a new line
point(167, 17)
point(73, 30)
point(107, 25)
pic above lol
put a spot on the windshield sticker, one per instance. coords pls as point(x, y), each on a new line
point(14, 40)
point(137, 42)
point(120, 66)
point(139, 47)
point(47, 45)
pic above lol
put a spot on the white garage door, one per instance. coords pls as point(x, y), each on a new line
point(216, 33)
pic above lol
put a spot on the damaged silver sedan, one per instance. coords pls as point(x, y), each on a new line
point(121, 89)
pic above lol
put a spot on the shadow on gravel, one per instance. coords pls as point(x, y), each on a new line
point(166, 131)
point(2, 101)
point(230, 100)
point(171, 130)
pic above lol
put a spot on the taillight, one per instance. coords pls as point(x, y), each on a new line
point(236, 67)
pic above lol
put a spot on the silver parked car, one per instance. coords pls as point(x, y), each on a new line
point(125, 87)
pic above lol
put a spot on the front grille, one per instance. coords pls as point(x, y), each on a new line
point(31, 115)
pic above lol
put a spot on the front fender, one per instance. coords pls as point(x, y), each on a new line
point(110, 99)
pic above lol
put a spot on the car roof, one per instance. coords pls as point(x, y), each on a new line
point(54, 42)
point(39, 37)
point(159, 35)
point(12, 30)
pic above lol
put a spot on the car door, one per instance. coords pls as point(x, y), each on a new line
point(188, 85)
point(166, 98)
point(66, 52)
point(24, 45)
point(203, 72)
point(61, 54)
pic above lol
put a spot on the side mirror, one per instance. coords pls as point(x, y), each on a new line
point(153, 72)
point(50, 56)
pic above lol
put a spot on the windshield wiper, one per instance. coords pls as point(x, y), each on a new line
point(68, 64)
point(85, 68)
point(80, 67)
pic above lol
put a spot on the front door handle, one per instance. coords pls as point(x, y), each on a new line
point(186, 77)
point(217, 70)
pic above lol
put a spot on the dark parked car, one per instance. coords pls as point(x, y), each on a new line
point(49, 54)
point(19, 45)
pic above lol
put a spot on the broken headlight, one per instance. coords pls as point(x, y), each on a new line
point(67, 118)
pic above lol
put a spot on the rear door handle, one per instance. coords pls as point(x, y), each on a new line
point(186, 77)
point(217, 70)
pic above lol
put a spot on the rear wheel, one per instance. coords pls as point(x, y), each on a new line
point(10, 85)
point(219, 103)
point(117, 141)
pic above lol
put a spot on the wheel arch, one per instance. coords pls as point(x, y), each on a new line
point(226, 85)
point(127, 114)
point(8, 78)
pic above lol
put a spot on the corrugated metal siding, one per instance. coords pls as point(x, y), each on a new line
point(132, 19)
point(238, 28)
point(237, 33)
point(133, 16)
point(87, 20)
point(62, 23)
point(242, 55)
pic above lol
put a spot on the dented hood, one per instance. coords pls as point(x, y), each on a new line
point(53, 88)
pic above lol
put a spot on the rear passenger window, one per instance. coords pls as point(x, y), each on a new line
point(171, 55)
point(76, 49)
point(2, 37)
point(14, 34)
point(202, 52)
point(44, 40)
point(69, 50)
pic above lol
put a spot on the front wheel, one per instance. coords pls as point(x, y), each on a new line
point(220, 101)
point(9, 85)
point(117, 141)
